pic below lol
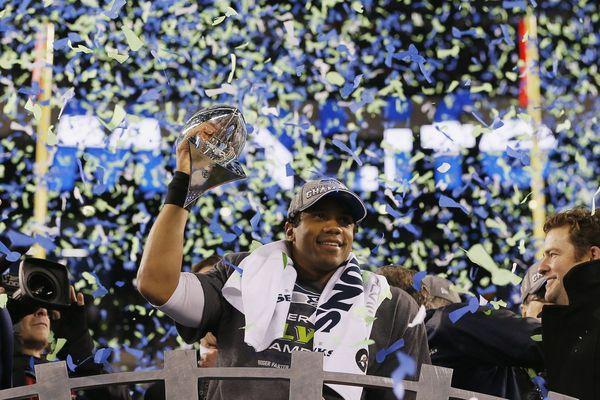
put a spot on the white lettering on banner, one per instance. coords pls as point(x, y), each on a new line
point(348, 287)
point(283, 297)
point(325, 352)
point(267, 363)
point(298, 318)
point(286, 348)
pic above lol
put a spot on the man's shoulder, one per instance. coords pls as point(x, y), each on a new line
point(234, 259)
point(227, 265)
point(400, 305)
point(401, 298)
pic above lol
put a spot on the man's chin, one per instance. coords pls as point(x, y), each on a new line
point(36, 343)
point(552, 296)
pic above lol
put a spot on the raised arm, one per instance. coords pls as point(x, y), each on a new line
point(158, 275)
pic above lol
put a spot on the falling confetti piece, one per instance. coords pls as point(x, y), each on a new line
point(335, 78)
point(134, 42)
point(443, 168)
point(500, 277)
point(419, 317)
point(118, 116)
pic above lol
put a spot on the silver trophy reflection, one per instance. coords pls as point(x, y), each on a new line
point(216, 136)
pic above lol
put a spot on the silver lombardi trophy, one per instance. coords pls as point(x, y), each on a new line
point(216, 136)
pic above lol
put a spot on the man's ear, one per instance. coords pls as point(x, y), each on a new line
point(289, 231)
point(595, 252)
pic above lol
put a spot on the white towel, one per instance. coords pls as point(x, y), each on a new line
point(344, 315)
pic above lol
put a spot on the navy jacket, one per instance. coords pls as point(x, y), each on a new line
point(572, 335)
point(485, 349)
point(6, 349)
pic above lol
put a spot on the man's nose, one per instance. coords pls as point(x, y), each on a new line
point(543, 267)
point(332, 225)
point(41, 312)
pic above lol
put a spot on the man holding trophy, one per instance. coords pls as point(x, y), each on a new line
point(305, 293)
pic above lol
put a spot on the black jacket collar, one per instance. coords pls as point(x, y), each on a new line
point(582, 283)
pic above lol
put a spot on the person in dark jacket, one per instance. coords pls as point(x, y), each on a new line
point(571, 326)
point(6, 349)
point(32, 331)
point(533, 290)
point(485, 347)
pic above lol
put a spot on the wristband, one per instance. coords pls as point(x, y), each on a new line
point(177, 190)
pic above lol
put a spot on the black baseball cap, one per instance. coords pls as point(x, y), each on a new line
point(313, 191)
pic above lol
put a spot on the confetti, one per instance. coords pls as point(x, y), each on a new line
point(446, 201)
point(500, 276)
point(443, 168)
point(70, 364)
point(335, 78)
point(471, 307)
point(118, 116)
point(407, 367)
point(594, 201)
point(56, 348)
point(123, 61)
point(11, 256)
point(418, 279)
point(285, 259)
point(134, 42)
point(394, 347)
point(346, 149)
point(115, 8)
point(419, 318)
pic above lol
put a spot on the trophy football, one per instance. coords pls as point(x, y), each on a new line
point(216, 136)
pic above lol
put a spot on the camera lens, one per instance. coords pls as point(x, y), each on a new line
point(41, 286)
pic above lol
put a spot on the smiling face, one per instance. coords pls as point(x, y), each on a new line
point(35, 329)
point(560, 256)
point(322, 240)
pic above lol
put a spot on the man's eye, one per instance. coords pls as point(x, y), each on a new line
point(345, 221)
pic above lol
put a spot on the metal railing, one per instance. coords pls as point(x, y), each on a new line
point(181, 373)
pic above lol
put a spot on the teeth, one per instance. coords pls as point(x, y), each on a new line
point(330, 243)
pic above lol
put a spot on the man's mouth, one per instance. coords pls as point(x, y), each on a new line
point(41, 324)
point(329, 243)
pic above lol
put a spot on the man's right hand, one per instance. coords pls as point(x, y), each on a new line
point(206, 130)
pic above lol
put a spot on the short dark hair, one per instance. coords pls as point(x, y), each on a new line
point(294, 220)
point(584, 228)
point(403, 278)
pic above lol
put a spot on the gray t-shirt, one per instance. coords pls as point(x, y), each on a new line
point(226, 322)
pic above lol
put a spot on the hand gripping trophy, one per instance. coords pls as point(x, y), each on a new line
point(216, 136)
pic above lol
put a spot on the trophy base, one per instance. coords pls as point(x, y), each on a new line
point(208, 177)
